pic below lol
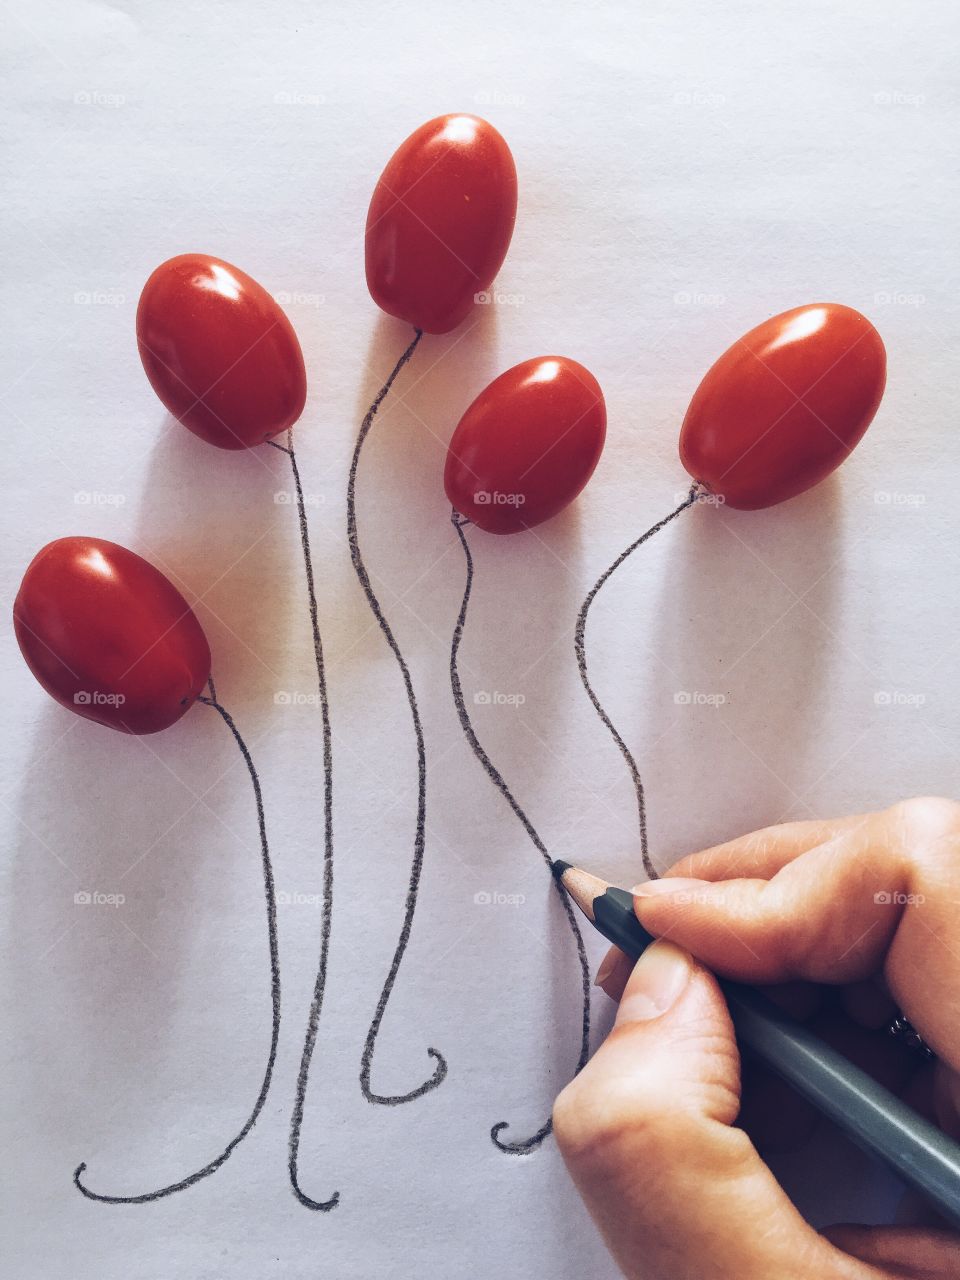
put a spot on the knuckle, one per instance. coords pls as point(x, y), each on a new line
point(924, 821)
point(799, 944)
point(796, 942)
point(929, 811)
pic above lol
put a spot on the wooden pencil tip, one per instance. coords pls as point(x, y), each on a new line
point(582, 887)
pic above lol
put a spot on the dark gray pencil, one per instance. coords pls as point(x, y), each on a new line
point(868, 1113)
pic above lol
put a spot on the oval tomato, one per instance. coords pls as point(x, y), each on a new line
point(109, 636)
point(527, 445)
point(440, 222)
point(784, 405)
point(219, 352)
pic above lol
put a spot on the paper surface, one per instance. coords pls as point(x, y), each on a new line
point(685, 170)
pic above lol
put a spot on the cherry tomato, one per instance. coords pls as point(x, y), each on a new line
point(527, 445)
point(440, 222)
point(784, 405)
point(219, 352)
point(109, 636)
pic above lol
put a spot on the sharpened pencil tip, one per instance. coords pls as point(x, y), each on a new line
point(559, 867)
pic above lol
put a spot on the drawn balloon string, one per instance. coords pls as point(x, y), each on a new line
point(110, 638)
point(773, 416)
point(580, 648)
point(523, 450)
point(419, 839)
point(226, 362)
point(438, 228)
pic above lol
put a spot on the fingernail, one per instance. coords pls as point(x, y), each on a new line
point(607, 965)
point(672, 884)
point(656, 984)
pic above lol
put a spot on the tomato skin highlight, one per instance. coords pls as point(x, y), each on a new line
point(440, 222)
point(219, 352)
point(109, 636)
point(527, 445)
point(785, 405)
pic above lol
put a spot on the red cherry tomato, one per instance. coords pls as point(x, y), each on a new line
point(219, 352)
point(784, 405)
point(527, 445)
point(109, 636)
point(440, 222)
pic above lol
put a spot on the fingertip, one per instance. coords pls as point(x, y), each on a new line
point(664, 905)
point(612, 973)
point(678, 890)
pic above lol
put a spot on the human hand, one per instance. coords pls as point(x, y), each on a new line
point(868, 904)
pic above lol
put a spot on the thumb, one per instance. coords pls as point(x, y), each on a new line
point(646, 1132)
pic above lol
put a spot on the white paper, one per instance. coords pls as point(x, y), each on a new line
point(686, 169)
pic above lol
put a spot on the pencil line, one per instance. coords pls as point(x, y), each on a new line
point(526, 1145)
point(579, 643)
point(271, 904)
point(419, 839)
point(326, 911)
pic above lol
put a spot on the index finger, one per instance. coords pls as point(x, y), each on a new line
point(881, 896)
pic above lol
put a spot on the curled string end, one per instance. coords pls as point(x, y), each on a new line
point(398, 1099)
point(523, 1148)
point(318, 1206)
